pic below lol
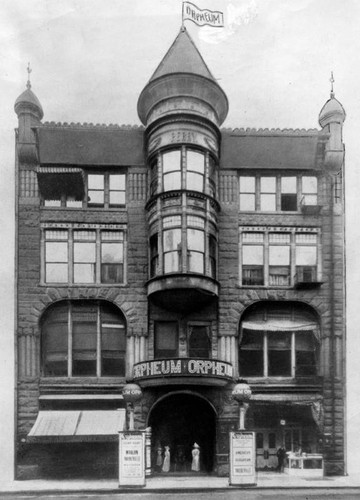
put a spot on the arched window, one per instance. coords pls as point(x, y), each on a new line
point(83, 338)
point(278, 340)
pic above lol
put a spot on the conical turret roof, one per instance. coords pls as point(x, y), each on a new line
point(182, 57)
point(28, 100)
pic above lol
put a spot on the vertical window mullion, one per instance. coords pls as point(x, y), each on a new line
point(292, 258)
point(257, 193)
point(278, 193)
point(106, 190)
point(98, 256)
point(98, 342)
point(71, 255)
point(293, 358)
point(266, 361)
point(266, 258)
point(70, 340)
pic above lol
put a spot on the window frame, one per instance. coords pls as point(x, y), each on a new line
point(293, 245)
point(279, 192)
point(70, 356)
point(107, 205)
point(98, 230)
point(266, 365)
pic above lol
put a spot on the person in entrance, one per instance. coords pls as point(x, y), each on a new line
point(195, 464)
point(166, 463)
point(281, 455)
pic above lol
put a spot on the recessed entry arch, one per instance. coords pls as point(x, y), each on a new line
point(179, 420)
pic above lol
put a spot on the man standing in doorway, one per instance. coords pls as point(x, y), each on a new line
point(281, 454)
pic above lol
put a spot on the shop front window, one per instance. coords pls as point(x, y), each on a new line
point(166, 339)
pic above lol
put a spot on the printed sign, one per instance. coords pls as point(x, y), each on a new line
point(242, 458)
point(132, 458)
point(188, 367)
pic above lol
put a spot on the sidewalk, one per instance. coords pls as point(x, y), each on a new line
point(265, 480)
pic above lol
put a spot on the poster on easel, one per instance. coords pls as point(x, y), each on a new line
point(242, 458)
point(132, 458)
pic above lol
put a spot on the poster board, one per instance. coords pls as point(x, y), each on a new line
point(242, 458)
point(132, 458)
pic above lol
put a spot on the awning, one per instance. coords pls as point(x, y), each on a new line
point(76, 426)
point(57, 181)
point(279, 325)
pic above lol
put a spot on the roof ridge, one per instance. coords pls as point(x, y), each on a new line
point(85, 125)
point(270, 131)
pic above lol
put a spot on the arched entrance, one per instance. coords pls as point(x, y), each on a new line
point(178, 421)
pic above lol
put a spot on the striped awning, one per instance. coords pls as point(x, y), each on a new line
point(74, 426)
point(54, 182)
point(59, 170)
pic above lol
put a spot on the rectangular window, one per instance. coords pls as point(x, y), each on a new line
point(253, 259)
point(56, 256)
point(277, 193)
point(112, 257)
point(154, 255)
point(166, 340)
point(196, 250)
point(172, 250)
point(290, 257)
point(106, 190)
point(279, 354)
point(288, 194)
point(268, 194)
point(251, 355)
point(195, 170)
point(97, 256)
point(309, 190)
point(171, 164)
point(247, 193)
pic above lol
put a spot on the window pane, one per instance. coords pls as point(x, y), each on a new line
point(306, 255)
point(55, 342)
point(85, 235)
point(172, 239)
point(199, 343)
point(279, 354)
point(56, 273)
point(251, 358)
point(268, 184)
point(310, 199)
point(279, 238)
point(195, 161)
point(84, 252)
point(84, 273)
point(268, 202)
point(309, 238)
point(253, 254)
point(55, 234)
point(52, 203)
point(96, 197)
point(165, 340)
point(117, 182)
point(113, 350)
point(279, 275)
point(112, 273)
point(95, 181)
point(247, 184)
point(289, 202)
point(171, 262)
point(174, 220)
point(247, 202)
point(112, 252)
point(194, 221)
point(117, 198)
point(309, 185)
point(196, 240)
point(171, 161)
point(194, 181)
point(84, 326)
point(279, 255)
point(172, 181)
point(253, 237)
point(196, 262)
point(56, 251)
point(288, 185)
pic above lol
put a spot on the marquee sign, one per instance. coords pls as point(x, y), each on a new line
point(183, 367)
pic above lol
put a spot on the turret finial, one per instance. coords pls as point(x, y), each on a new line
point(332, 80)
point(29, 70)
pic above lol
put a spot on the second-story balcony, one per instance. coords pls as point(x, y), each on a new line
point(184, 371)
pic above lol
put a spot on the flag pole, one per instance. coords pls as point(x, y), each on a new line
point(182, 17)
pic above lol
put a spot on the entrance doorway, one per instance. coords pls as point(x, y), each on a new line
point(179, 421)
point(267, 443)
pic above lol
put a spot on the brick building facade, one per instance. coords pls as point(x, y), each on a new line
point(182, 256)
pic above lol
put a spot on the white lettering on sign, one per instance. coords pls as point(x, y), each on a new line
point(171, 367)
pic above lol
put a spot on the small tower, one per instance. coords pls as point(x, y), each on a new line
point(182, 107)
point(331, 119)
point(30, 113)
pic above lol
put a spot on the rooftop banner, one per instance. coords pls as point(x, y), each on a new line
point(202, 17)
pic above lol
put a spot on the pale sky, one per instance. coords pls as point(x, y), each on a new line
point(90, 59)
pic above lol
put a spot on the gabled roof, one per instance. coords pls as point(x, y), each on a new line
point(182, 57)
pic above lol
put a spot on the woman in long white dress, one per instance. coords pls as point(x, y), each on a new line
point(195, 464)
point(166, 463)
